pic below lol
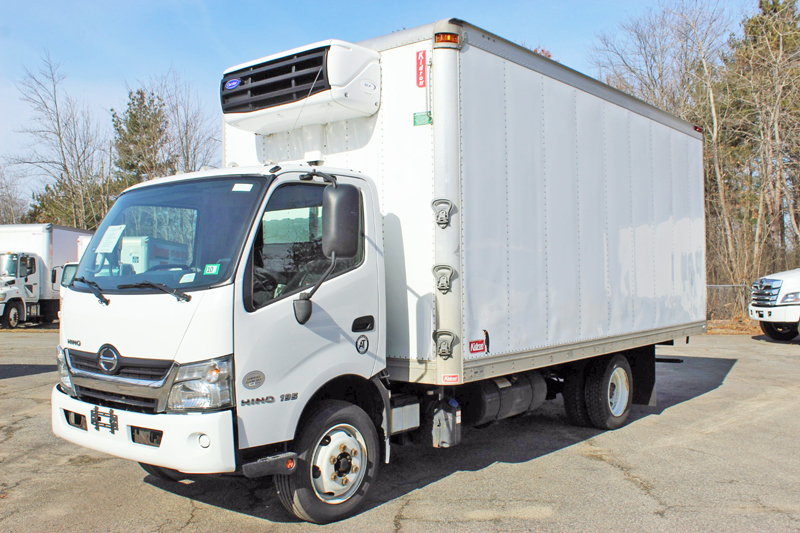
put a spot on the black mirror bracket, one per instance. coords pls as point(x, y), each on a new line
point(302, 306)
point(316, 173)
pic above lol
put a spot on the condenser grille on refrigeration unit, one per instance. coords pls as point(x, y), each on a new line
point(273, 83)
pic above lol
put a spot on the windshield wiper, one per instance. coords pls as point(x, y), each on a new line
point(180, 295)
point(94, 287)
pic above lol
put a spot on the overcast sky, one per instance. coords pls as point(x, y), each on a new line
point(104, 45)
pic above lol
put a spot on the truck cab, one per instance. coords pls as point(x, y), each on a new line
point(775, 304)
point(19, 287)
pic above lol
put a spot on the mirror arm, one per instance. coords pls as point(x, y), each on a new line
point(327, 177)
point(302, 306)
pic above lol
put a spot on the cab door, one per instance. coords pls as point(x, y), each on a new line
point(280, 363)
point(29, 278)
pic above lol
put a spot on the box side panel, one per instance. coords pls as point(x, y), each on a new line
point(398, 155)
point(528, 215)
point(580, 218)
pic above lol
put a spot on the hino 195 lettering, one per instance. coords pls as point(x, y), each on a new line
point(432, 228)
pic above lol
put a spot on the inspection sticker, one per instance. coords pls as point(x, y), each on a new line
point(242, 187)
point(211, 270)
point(187, 278)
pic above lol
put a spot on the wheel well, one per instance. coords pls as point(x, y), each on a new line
point(351, 389)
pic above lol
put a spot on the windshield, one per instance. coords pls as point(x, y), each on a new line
point(8, 264)
point(186, 235)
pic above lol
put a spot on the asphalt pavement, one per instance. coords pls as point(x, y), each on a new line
point(721, 452)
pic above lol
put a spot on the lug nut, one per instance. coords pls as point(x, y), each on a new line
point(343, 448)
point(355, 468)
point(345, 481)
point(353, 452)
point(333, 460)
point(333, 476)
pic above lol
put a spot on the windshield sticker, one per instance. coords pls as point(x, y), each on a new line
point(110, 239)
point(211, 270)
point(187, 278)
point(242, 187)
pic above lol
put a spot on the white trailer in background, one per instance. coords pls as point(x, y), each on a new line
point(430, 225)
point(30, 257)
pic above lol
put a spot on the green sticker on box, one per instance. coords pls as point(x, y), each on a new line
point(422, 119)
point(211, 270)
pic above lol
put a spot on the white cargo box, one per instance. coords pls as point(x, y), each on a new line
point(574, 212)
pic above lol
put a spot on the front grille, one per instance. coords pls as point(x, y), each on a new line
point(128, 367)
point(117, 401)
point(276, 82)
point(764, 292)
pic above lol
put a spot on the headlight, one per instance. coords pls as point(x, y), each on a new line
point(63, 371)
point(2, 296)
point(201, 386)
point(791, 298)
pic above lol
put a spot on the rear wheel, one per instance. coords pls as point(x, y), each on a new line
point(779, 331)
point(609, 388)
point(12, 315)
point(160, 472)
point(338, 454)
point(574, 397)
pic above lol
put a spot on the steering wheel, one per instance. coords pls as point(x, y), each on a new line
point(167, 267)
point(264, 285)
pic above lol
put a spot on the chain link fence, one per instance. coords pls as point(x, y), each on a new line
point(727, 302)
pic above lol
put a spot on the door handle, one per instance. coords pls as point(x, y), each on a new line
point(364, 323)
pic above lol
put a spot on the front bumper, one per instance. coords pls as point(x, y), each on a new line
point(181, 445)
point(781, 313)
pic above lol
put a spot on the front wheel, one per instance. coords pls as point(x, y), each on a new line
point(338, 455)
point(12, 315)
point(609, 391)
point(779, 331)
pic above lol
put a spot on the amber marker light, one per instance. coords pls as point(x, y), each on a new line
point(447, 38)
point(289, 464)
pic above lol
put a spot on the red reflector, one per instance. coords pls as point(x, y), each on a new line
point(698, 129)
point(447, 38)
point(289, 464)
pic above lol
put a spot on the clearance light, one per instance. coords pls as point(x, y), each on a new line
point(447, 38)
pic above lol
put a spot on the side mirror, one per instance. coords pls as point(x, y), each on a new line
point(341, 207)
point(53, 276)
point(68, 274)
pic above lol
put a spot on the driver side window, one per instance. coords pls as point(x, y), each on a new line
point(287, 252)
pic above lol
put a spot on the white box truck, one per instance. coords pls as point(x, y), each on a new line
point(30, 257)
point(775, 304)
point(432, 228)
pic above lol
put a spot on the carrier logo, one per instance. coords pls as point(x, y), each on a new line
point(73, 342)
point(421, 68)
point(368, 86)
point(449, 378)
point(108, 359)
point(232, 84)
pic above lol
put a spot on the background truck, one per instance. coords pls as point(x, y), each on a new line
point(30, 257)
point(432, 228)
point(775, 303)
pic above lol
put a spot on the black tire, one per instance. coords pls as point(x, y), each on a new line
point(779, 331)
point(609, 390)
point(334, 421)
point(575, 398)
point(12, 315)
point(167, 474)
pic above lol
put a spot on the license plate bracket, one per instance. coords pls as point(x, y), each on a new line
point(101, 419)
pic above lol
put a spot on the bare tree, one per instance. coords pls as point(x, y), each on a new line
point(66, 149)
point(12, 204)
point(192, 132)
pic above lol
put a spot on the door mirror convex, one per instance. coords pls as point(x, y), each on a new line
point(341, 209)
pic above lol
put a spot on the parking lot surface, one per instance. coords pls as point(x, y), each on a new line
point(721, 452)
